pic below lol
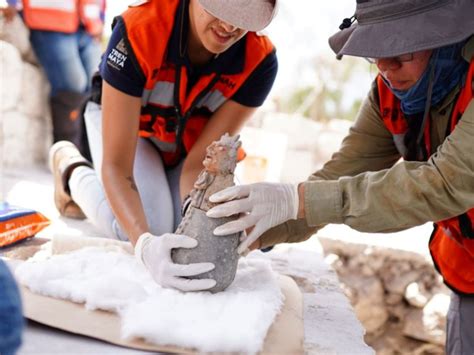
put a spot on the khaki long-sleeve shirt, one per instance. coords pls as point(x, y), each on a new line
point(366, 187)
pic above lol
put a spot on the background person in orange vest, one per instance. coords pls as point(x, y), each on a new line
point(65, 36)
point(420, 108)
point(176, 76)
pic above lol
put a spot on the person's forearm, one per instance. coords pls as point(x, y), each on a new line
point(125, 202)
point(120, 125)
point(407, 195)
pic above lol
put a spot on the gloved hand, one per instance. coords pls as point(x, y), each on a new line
point(264, 205)
point(155, 253)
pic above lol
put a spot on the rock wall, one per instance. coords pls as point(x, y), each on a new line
point(397, 295)
point(25, 123)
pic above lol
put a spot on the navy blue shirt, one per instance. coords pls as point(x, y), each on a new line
point(121, 70)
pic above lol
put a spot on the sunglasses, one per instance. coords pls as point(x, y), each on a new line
point(408, 57)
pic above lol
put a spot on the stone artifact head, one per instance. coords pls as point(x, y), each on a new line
point(221, 155)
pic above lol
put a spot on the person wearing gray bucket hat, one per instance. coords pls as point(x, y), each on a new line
point(384, 28)
point(176, 76)
point(420, 109)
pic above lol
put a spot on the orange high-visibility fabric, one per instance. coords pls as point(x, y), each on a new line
point(64, 16)
point(149, 27)
point(452, 241)
point(89, 13)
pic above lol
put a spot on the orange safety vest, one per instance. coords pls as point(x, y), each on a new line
point(65, 15)
point(172, 118)
point(452, 241)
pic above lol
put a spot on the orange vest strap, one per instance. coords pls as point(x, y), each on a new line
point(392, 115)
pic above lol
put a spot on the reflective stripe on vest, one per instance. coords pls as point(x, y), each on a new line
point(452, 241)
point(149, 27)
point(162, 95)
point(64, 15)
point(64, 5)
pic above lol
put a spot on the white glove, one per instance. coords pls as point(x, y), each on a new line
point(155, 253)
point(264, 205)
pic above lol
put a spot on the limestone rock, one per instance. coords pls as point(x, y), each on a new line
point(398, 282)
point(372, 316)
point(24, 140)
point(420, 327)
point(219, 166)
point(416, 295)
point(11, 74)
point(17, 34)
point(25, 118)
point(34, 92)
point(429, 324)
point(393, 298)
point(369, 305)
point(408, 282)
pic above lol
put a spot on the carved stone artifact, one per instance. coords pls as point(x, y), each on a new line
point(218, 174)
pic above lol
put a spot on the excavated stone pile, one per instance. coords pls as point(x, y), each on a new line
point(397, 295)
point(25, 124)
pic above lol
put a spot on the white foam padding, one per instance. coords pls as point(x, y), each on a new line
point(236, 320)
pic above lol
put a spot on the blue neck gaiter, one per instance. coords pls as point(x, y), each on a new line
point(449, 69)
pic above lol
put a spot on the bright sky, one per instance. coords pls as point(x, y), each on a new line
point(300, 33)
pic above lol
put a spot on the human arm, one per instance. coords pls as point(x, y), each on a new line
point(368, 146)
point(120, 134)
point(406, 195)
point(402, 196)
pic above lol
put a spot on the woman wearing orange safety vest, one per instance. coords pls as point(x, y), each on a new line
point(65, 36)
point(420, 109)
point(177, 74)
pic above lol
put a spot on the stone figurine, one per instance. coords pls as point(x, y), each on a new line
point(218, 174)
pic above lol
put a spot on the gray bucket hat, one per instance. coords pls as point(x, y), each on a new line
point(250, 15)
point(388, 28)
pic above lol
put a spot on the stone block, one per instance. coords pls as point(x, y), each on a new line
point(17, 34)
point(26, 140)
point(416, 295)
point(11, 76)
point(34, 100)
point(422, 327)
